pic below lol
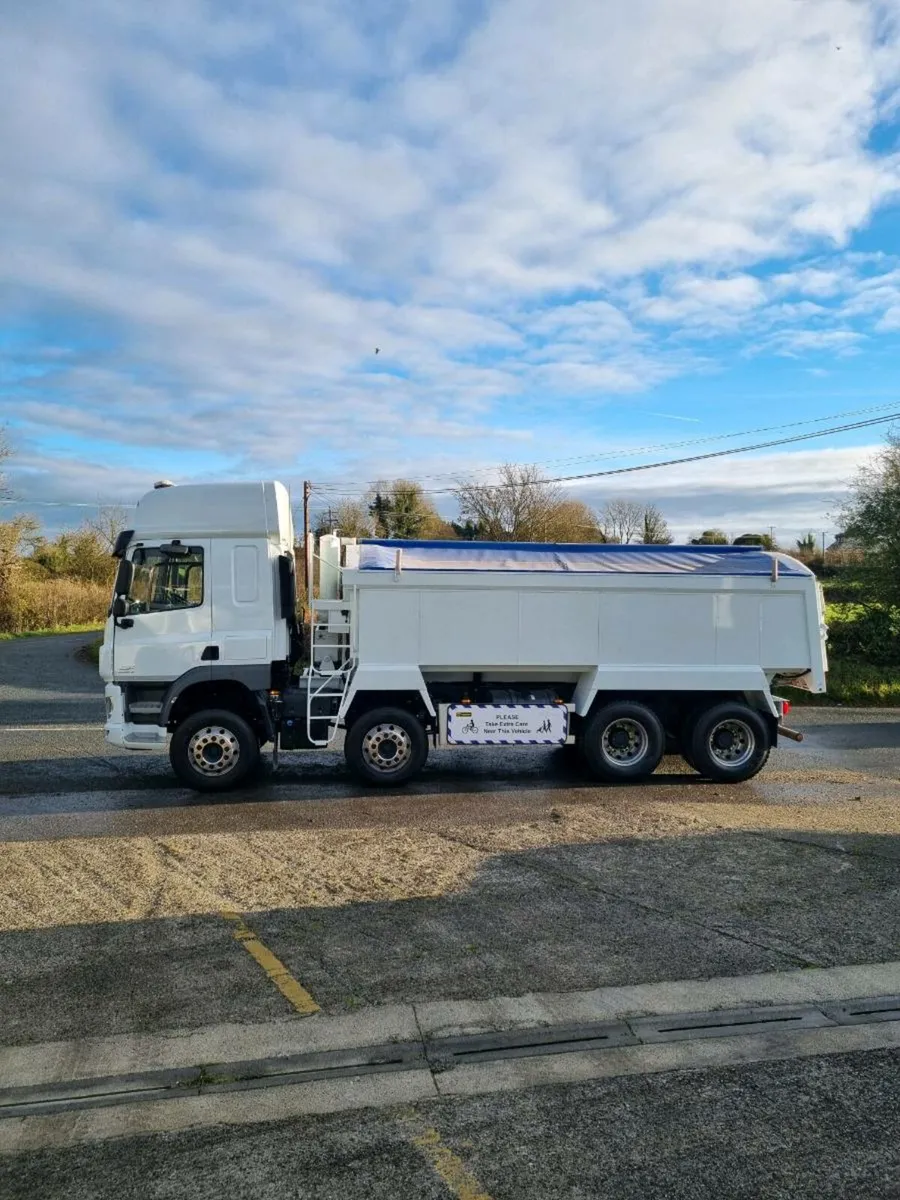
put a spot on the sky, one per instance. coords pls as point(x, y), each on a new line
point(346, 241)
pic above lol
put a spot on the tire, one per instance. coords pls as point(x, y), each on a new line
point(386, 747)
point(623, 741)
point(214, 750)
point(729, 743)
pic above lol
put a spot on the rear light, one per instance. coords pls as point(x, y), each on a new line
point(783, 707)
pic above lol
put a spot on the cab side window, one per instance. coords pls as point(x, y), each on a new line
point(164, 581)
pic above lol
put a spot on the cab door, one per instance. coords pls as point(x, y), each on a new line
point(167, 622)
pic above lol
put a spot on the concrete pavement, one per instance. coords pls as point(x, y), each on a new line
point(823, 1127)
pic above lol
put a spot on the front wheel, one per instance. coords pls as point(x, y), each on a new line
point(624, 740)
point(214, 750)
point(729, 743)
point(386, 747)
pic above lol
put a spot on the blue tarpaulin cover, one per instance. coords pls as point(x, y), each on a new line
point(595, 558)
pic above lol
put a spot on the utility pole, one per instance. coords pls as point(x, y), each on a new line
point(823, 545)
point(307, 491)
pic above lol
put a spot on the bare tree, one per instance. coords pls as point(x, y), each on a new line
point(109, 522)
point(517, 509)
point(622, 520)
point(523, 507)
point(656, 530)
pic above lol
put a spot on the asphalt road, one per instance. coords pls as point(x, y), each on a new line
point(495, 874)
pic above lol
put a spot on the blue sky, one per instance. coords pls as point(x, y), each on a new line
point(572, 229)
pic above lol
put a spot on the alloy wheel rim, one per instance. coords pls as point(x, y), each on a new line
point(731, 743)
point(624, 742)
point(387, 748)
point(214, 750)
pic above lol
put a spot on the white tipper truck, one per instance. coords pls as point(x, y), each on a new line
point(625, 652)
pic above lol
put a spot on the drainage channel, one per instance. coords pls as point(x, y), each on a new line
point(437, 1055)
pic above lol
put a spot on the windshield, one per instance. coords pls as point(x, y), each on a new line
point(165, 581)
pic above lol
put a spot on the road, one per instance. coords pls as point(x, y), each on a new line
point(495, 875)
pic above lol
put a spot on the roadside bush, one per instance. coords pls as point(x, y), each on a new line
point(29, 604)
point(870, 632)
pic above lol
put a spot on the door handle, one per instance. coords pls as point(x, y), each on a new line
point(210, 654)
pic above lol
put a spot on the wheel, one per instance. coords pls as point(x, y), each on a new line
point(623, 740)
point(214, 750)
point(729, 743)
point(386, 747)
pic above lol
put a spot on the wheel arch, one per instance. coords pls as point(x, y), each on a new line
point(366, 701)
point(230, 692)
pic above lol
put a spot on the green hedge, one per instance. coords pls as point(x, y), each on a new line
point(866, 632)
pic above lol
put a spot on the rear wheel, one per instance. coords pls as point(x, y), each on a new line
point(623, 740)
point(214, 750)
point(729, 743)
point(386, 747)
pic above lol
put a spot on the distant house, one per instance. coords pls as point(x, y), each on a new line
point(843, 541)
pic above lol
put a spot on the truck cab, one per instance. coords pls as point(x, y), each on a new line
point(203, 615)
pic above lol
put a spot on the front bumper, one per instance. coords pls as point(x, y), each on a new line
point(120, 732)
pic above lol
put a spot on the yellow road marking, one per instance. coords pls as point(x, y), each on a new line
point(447, 1165)
point(290, 988)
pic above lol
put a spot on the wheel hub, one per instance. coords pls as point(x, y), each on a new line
point(214, 750)
point(732, 743)
point(387, 748)
point(624, 742)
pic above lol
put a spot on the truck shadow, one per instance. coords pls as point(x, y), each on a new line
point(120, 783)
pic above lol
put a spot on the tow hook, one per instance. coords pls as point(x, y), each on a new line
point(794, 734)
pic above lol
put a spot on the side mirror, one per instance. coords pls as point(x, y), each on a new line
point(119, 607)
point(124, 577)
point(122, 541)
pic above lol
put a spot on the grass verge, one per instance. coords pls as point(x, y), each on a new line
point(94, 627)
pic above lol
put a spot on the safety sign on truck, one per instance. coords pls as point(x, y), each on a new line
point(507, 724)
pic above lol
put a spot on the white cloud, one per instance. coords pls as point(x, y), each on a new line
point(810, 281)
point(794, 342)
point(215, 216)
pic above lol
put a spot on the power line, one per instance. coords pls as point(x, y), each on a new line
point(335, 488)
point(674, 462)
point(325, 490)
